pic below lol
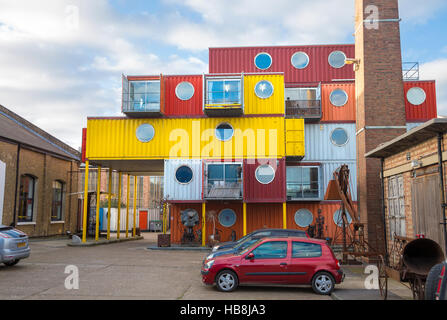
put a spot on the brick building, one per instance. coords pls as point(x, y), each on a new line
point(414, 182)
point(39, 178)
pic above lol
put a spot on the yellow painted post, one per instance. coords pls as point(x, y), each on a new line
point(134, 206)
point(203, 224)
point(109, 205)
point(119, 207)
point(244, 218)
point(84, 218)
point(98, 199)
point(127, 206)
point(284, 215)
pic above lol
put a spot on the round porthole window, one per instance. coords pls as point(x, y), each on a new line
point(265, 174)
point(300, 60)
point(184, 91)
point(337, 59)
point(303, 218)
point(338, 97)
point(263, 61)
point(227, 218)
point(416, 96)
point(339, 137)
point(183, 174)
point(264, 89)
point(338, 218)
point(224, 132)
point(145, 132)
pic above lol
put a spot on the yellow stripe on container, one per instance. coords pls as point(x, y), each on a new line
point(254, 137)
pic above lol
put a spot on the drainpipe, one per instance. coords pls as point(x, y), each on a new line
point(14, 215)
point(382, 178)
point(441, 184)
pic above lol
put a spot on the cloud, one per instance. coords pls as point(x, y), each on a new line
point(437, 70)
point(62, 60)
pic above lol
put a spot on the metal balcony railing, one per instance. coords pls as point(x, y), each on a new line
point(306, 109)
point(410, 71)
point(218, 190)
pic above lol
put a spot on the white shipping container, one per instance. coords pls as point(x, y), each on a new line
point(175, 190)
point(320, 146)
point(114, 219)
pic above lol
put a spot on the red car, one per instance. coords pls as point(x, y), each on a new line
point(276, 261)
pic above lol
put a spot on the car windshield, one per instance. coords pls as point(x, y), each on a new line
point(244, 238)
point(249, 247)
point(245, 244)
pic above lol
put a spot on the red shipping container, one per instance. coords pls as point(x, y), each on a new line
point(177, 107)
point(241, 59)
point(332, 113)
point(256, 191)
point(428, 109)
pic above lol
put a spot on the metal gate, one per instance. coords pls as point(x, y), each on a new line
point(426, 207)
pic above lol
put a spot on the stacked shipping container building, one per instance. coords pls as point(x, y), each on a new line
point(252, 144)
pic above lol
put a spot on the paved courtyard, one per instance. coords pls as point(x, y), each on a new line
point(129, 270)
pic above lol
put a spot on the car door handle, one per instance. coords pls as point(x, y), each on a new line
point(283, 264)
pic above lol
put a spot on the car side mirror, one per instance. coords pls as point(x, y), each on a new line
point(250, 256)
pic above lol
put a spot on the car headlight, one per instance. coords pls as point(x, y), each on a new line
point(209, 257)
point(209, 264)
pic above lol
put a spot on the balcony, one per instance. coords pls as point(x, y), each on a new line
point(223, 181)
point(141, 97)
point(310, 110)
point(223, 97)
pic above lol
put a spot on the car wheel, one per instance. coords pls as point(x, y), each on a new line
point(323, 283)
point(432, 282)
point(11, 263)
point(227, 281)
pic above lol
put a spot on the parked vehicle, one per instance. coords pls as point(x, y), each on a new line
point(13, 245)
point(436, 284)
point(286, 260)
point(237, 248)
point(263, 233)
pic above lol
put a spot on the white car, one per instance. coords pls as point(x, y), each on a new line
point(13, 245)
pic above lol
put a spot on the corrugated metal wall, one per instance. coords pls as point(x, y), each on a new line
point(254, 191)
point(295, 137)
point(331, 113)
point(173, 190)
point(241, 59)
point(176, 107)
point(319, 146)
point(255, 105)
point(254, 137)
point(267, 215)
point(328, 169)
point(427, 110)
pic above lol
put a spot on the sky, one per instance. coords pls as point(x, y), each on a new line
point(62, 60)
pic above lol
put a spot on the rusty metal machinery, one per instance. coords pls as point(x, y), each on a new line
point(409, 260)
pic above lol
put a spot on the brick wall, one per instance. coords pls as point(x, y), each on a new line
point(380, 103)
point(46, 169)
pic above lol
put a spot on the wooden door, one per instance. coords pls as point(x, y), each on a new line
point(427, 212)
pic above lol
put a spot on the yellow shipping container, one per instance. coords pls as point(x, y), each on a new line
point(272, 105)
point(295, 138)
point(254, 137)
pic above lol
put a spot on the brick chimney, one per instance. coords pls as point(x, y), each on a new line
point(380, 102)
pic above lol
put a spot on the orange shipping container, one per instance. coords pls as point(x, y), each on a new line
point(338, 102)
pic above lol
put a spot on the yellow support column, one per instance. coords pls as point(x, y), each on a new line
point(109, 205)
point(84, 218)
point(119, 207)
point(134, 206)
point(127, 206)
point(203, 224)
point(284, 215)
point(98, 199)
point(244, 218)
